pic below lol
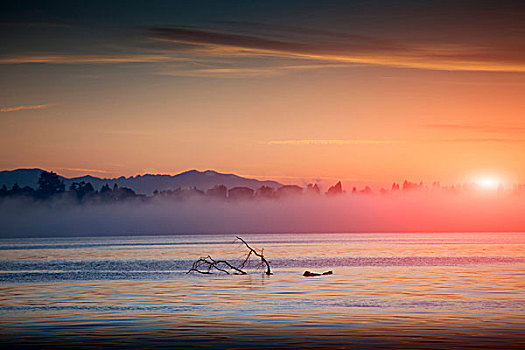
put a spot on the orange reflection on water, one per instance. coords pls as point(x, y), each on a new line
point(456, 289)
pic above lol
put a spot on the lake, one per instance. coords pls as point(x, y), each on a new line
point(403, 290)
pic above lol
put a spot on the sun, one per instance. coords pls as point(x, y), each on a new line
point(487, 182)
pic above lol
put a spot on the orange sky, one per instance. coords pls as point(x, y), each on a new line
point(269, 97)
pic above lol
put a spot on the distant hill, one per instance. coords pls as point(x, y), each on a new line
point(144, 184)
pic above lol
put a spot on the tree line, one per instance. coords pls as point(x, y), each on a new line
point(51, 186)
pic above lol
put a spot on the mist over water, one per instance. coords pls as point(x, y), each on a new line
point(403, 212)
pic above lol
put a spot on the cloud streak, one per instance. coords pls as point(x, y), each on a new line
point(23, 108)
point(353, 49)
point(319, 48)
point(241, 72)
point(84, 170)
point(87, 59)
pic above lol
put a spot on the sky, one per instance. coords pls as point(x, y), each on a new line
point(296, 91)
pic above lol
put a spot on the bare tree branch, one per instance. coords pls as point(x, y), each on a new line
point(260, 255)
point(206, 265)
point(243, 264)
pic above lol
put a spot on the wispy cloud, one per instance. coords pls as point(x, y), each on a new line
point(87, 59)
point(241, 72)
point(83, 170)
point(317, 47)
point(353, 49)
point(22, 108)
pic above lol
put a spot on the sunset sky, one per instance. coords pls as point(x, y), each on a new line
point(296, 91)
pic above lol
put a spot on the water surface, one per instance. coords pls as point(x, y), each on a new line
point(387, 290)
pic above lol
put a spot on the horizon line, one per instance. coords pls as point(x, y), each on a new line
point(266, 178)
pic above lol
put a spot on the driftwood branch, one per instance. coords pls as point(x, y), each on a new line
point(260, 255)
point(207, 265)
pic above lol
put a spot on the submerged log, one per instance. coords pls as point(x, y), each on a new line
point(313, 274)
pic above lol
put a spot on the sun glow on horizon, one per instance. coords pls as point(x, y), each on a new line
point(487, 182)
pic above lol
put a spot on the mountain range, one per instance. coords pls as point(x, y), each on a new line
point(143, 184)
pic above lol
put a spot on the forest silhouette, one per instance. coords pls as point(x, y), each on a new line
point(52, 188)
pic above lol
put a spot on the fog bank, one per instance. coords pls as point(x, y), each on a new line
point(414, 212)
